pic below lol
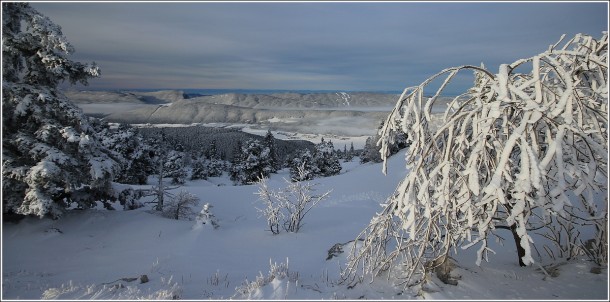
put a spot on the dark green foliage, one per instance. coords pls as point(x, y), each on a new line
point(52, 157)
point(255, 162)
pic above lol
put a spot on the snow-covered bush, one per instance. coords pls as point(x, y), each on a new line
point(51, 155)
point(128, 197)
point(287, 207)
point(205, 217)
point(180, 207)
point(168, 289)
point(280, 278)
point(513, 152)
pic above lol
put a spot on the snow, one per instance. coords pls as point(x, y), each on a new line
point(92, 254)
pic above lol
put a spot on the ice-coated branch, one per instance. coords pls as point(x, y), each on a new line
point(511, 150)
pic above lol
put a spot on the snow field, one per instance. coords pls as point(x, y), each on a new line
point(100, 246)
point(80, 255)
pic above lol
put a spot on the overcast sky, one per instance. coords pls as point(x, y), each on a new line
point(317, 46)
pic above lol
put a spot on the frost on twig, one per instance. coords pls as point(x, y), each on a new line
point(286, 208)
point(512, 151)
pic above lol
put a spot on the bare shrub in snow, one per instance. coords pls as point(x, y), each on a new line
point(515, 151)
point(287, 207)
point(180, 207)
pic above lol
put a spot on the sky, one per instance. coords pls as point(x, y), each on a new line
point(353, 46)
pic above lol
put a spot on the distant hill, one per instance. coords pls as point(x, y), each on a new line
point(340, 113)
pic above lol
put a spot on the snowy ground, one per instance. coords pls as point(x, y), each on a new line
point(92, 254)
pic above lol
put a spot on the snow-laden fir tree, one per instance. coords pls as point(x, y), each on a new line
point(348, 155)
point(52, 157)
point(269, 142)
point(130, 149)
point(518, 151)
point(326, 158)
point(212, 151)
point(255, 161)
point(370, 152)
point(174, 167)
point(302, 166)
point(202, 168)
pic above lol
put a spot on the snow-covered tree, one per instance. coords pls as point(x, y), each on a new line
point(203, 168)
point(206, 218)
point(52, 157)
point(326, 158)
point(371, 151)
point(129, 148)
point(269, 142)
point(173, 167)
point(348, 155)
point(212, 152)
point(160, 154)
point(287, 207)
point(255, 162)
point(199, 169)
point(180, 207)
point(303, 167)
point(517, 151)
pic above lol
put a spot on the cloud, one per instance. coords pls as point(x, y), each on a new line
point(350, 46)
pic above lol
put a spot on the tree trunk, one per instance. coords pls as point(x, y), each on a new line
point(520, 250)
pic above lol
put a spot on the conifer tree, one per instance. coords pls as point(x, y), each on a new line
point(269, 142)
point(255, 163)
point(325, 157)
point(52, 157)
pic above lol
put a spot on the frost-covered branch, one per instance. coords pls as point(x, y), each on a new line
point(516, 148)
point(288, 206)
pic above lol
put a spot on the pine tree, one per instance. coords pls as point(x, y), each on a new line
point(269, 142)
point(326, 159)
point(130, 150)
point(174, 167)
point(203, 168)
point(350, 153)
point(212, 152)
point(51, 154)
point(372, 150)
point(303, 167)
point(256, 162)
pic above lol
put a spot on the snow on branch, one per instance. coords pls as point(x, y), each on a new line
point(514, 150)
